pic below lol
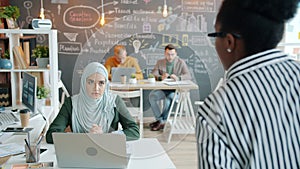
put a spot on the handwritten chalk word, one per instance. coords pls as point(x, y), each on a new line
point(122, 11)
point(92, 50)
point(104, 43)
point(199, 6)
point(129, 2)
point(81, 17)
point(117, 35)
point(69, 47)
point(146, 36)
point(199, 41)
point(142, 11)
point(130, 18)
point(124, 25)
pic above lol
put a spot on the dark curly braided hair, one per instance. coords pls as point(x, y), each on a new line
point(259, 22)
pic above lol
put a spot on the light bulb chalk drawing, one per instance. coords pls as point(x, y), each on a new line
point(136, 45)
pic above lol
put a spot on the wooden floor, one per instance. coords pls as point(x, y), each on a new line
point(182, 148)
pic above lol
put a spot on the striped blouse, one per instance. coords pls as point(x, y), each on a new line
point(253, 119)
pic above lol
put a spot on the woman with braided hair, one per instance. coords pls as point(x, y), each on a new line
point(253, 119)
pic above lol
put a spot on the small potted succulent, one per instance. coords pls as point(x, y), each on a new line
point(41, 53)
point(151, 78)
point(43, 94)
point(132, 79)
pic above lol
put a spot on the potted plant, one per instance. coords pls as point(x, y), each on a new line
point(11, 14)
point(132, 79)
point(41, 53)
point(43, 94)
point(151, 78)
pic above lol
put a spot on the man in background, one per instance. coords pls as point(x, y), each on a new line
point(171, 67)
point(120, 59)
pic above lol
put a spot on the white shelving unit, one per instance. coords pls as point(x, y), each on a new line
point(14, 40)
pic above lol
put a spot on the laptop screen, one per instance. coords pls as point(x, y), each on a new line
point(90, 150)
point(117, 72)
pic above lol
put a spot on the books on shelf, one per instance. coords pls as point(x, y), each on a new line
point(26, 48)
point(19, 58)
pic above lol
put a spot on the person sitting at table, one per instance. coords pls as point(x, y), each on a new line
point(95, 109)
point(120, 59)
point(171, 67)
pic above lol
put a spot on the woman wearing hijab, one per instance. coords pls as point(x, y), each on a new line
point(94, 109)
point(253, 119)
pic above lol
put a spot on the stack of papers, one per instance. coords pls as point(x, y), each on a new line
point(4, 136)
point(11, 149)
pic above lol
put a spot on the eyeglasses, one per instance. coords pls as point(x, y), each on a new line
point(92, 82)
point(223, 34)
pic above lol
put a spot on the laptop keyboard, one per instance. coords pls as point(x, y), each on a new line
point(8, 118)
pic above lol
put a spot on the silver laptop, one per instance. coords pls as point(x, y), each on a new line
point(86, 150)
point(117, 72)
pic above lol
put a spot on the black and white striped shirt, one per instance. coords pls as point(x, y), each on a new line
point(253, 119)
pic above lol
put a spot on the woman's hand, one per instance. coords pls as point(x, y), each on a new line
point(96, 129)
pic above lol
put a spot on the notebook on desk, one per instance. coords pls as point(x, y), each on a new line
point(117, 72)
point(88, 150)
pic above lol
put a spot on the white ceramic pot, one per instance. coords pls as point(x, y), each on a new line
point(151, 80)
point(132, 81)
point(41, 102)
point(42, 62)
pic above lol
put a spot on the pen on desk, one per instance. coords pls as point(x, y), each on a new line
point(30, 152)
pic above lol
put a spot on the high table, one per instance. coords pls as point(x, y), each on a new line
point(183, 121)
point(145, 153)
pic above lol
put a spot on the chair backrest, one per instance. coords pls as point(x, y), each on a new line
point(135, 111)
point(64, 93)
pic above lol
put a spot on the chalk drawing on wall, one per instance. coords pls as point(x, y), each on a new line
point(60, 1)
point(69, 47)
point(191, 23)
point(28, 5)
point(199, 6)
point(71, 36)
point(81, 17)
point(188, 20)
point(170, 39)
point(136, 45)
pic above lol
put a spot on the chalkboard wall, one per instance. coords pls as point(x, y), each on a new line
point(137, 24)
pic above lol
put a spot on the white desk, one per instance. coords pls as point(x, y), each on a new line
point(144, 84)
point(146, 153)
point(37, 122)
point(183, 121)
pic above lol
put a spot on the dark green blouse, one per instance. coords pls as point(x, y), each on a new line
point(122, 115)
